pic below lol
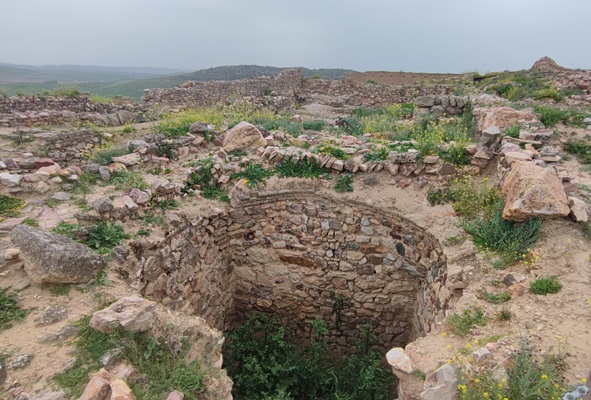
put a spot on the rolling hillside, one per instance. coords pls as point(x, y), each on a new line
point(109, 81)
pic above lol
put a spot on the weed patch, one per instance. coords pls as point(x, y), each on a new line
point(303, 168)
point(528, 378)
point(462, 324)
point(105, 156)
point(344, 182)
point(253, 174)
point(165, 368)
point(580, 149)
point(10, 311)
point(265, 360)
point(10, 206)
point(544, 286)
point(511, 240)
point(102, 237)
point(127, 180)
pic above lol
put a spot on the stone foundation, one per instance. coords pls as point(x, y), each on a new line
point(299, 255)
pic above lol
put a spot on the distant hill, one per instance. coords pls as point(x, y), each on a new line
point(115, 81)
point(12, 73)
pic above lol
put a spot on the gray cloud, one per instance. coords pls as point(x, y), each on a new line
point(420, 35)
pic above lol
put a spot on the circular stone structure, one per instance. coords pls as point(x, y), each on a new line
point(300, 255)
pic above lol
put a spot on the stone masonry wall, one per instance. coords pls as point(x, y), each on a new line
point(66, 148)
point(34, 110)
point(299, 255)
point(198, 94)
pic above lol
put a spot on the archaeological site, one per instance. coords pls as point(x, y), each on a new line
point(377, 236)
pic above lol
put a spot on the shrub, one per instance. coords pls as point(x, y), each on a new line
point(462, 324)
point(510, 239)
point(9, 309)
point(550, 116)
point(253, 174)
point(265, 360)
point(313, 125)
point(544, 286)
point(95, 98)
point(470, 198)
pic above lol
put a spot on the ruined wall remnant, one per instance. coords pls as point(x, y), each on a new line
point(38, 110)
point(300, 255)
point(282, 89)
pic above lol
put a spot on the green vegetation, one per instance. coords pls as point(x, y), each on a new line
point(550, 116)
point(511, 240)
point(481, 208)
point(253, 174)
point(20, 137)
point(496, 298)
point(10, 310)
point(69, 92)
point(265, 360)
point(95, 98)
point(313, 125)
point(177, 124)
point(528, 378)
point(30, 222)
point(549, 93)
point(127, 180)
point(105, 156)
point(333, 151)
point(504, 314)
point(513, 131)
point(462, 324)
point(58, 289)
point(129, 128)
point(544, 286)
point(10, 206)
point(376, 155)
point(101, 237)
point(161, 360)
point(202, 179)
point(580, 149)
point(344, 182)
point(303, 168)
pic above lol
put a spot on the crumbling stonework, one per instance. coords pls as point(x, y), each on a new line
point(38, 110)
point(298, 256)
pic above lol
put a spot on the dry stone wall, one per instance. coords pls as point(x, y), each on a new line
point(34, 110)
point(66, 148)
point(283, 88)
point(299, 255)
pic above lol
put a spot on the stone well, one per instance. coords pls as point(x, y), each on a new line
point(299, 255)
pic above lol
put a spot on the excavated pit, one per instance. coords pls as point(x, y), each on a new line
point(299, 256)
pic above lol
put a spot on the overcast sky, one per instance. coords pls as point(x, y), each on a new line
point(391, 35)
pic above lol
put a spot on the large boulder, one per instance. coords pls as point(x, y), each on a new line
point(243, 136)
point(51, 258)
point(533, 191)
point(132, 314)
point(505, 117)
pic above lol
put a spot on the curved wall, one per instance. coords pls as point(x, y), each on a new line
point(299, 255)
